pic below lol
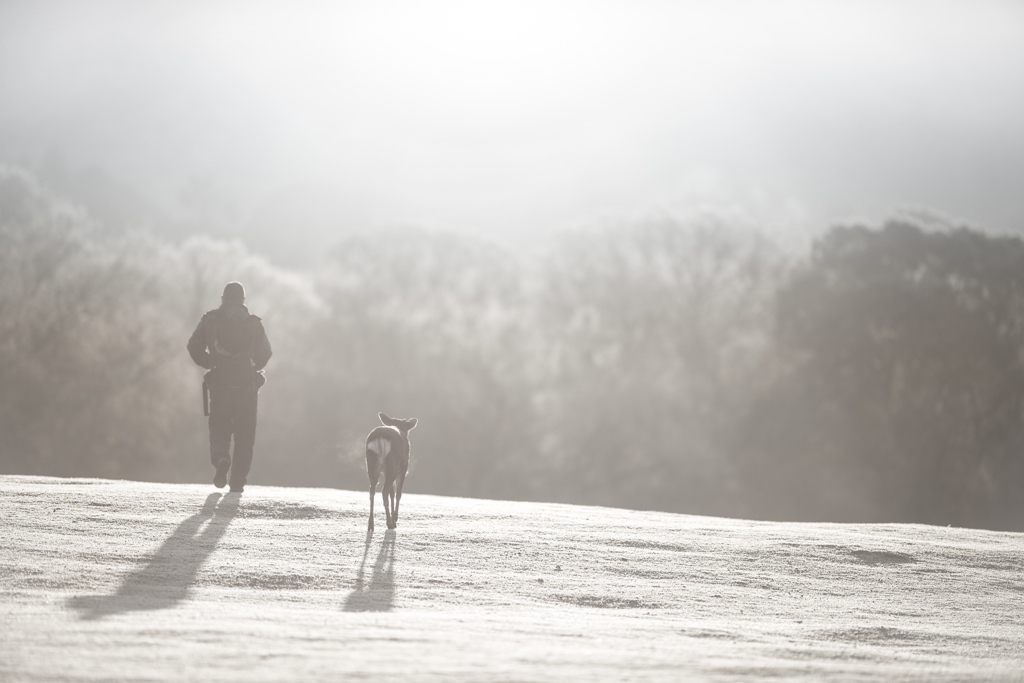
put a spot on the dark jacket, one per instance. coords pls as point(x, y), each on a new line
point(212, 346)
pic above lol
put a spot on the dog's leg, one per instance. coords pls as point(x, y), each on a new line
point(369, 525)
point(373, 472)
point(386, 501)
point(398, 497)
point(394, 506)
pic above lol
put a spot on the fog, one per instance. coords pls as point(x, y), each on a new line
point(744, 259)
point(255, 119)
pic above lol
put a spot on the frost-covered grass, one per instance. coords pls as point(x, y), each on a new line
point(124, 581)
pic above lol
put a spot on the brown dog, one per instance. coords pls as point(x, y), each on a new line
point(388, 446)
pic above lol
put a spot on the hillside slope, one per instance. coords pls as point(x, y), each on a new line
point(124, 581)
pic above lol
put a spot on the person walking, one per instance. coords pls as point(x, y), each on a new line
point(231, 343)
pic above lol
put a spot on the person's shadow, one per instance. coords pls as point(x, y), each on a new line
point(379, 595)
point(165, 580)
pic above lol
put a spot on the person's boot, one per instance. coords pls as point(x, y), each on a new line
point(237, 488)
point(221, 478)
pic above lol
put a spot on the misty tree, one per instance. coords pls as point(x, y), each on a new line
point(431, 325)
point(83, 363)
point(653, 364)
point(908, 348)
point(659, 334)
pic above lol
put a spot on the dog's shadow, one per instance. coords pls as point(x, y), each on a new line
point(379, 595)
point(165, 580)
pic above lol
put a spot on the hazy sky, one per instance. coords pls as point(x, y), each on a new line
point(297, 119)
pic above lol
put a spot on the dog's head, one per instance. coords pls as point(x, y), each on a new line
point(402, 426)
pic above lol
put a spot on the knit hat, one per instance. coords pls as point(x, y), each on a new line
point(234, 293)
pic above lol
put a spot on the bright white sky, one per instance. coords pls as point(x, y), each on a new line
point(522, 116)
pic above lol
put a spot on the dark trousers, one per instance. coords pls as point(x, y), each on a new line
point(233, 413)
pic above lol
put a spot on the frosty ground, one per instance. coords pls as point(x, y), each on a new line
point(124, 581)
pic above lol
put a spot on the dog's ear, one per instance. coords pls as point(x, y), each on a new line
point(411, 423)
point(385, 420)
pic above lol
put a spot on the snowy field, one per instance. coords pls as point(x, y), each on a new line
point(122, 581)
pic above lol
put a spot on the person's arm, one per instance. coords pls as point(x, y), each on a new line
point(261, 355)
point(197, 346)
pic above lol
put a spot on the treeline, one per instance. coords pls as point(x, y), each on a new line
point(658, 365)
